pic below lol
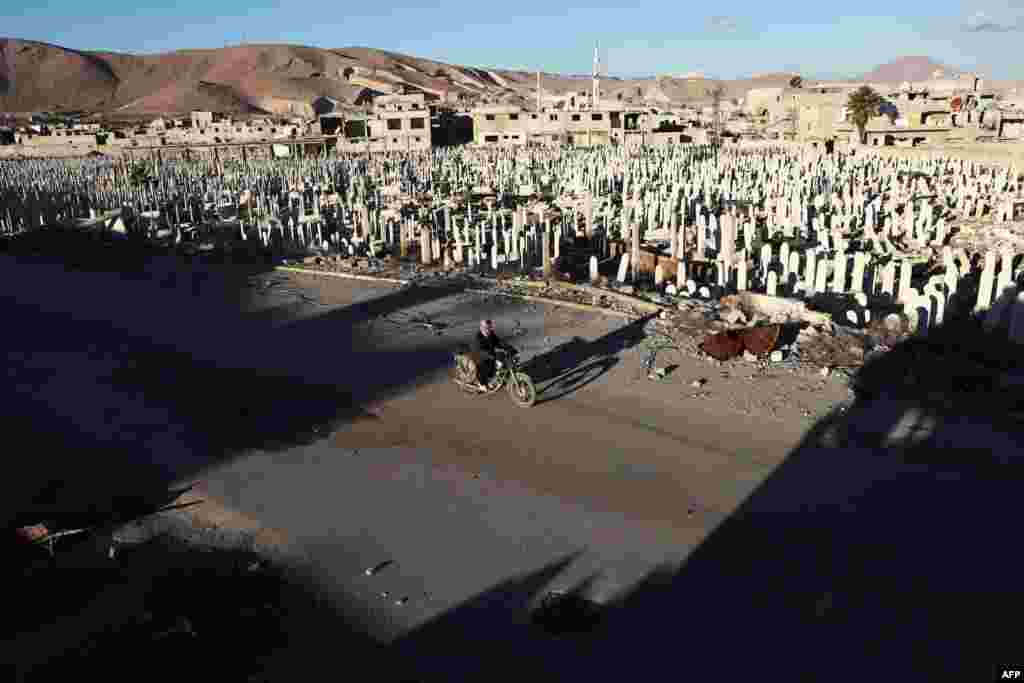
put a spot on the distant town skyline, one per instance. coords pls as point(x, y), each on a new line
point(649, 39)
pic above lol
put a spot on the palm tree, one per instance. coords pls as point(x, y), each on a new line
point(864, 104)
point(140, 176)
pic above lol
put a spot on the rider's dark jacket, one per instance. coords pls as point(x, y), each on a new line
point(486, 345)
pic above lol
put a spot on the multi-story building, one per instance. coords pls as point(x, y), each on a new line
point(201, 119)
point(768, 104)
point(912, 113)
point(398, 123)
point(514, 125)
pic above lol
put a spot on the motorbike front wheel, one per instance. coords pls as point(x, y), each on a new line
point(522, 391)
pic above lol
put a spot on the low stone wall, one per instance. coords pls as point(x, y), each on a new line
point(996, 152)
point(381, 146)
point(649, 261)
point(56, 151)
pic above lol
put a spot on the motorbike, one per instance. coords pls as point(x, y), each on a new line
point(507, 374)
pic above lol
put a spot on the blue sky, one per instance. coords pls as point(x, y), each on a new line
point(729, 40)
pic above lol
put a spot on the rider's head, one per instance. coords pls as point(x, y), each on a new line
point(486, 327)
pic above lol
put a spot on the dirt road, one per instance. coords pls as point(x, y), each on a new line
point(462, 493)
point(321, 409)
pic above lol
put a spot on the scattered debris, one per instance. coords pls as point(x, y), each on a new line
point(418, 320)
point(733, 316)
point(377, 568)
point(565, 613)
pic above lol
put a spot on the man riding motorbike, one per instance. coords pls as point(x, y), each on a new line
point(485, 348)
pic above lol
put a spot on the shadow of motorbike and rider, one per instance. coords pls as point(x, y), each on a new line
point(576, 363)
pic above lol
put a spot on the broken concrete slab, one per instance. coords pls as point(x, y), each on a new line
point(779, 309)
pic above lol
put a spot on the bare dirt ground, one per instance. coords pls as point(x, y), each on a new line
point(602, 430)
point(317, 416)
point(646, 458)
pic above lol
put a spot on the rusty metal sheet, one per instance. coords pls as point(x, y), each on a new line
point(723, 346)
point(732, 343)
point(762, 339)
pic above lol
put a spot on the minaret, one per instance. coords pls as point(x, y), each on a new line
point(597, 90)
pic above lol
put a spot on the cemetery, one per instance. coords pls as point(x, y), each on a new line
point(746, 236)
point(759, 332)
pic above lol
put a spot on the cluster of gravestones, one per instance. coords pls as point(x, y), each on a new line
point(344, 203)
point(846, 228)
point(781, 221)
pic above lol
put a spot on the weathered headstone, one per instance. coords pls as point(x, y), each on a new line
point(766, 260)
point(839, 273)
point(821, 276)
point(623, 268)
point(904, 294)
point(1005, 271)
point(809, 268)
point(987, 283)
point(860, 260)
point(546, 250)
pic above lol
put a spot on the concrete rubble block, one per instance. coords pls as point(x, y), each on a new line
point(778, 308)
point(733, 316)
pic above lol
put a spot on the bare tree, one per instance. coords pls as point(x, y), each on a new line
point(716, 95)
point(796, 83)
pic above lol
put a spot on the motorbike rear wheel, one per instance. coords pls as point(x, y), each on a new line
point(464, 376)
point(522, 391)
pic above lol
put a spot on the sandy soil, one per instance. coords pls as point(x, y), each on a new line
point(609, 478)
point(317, 417)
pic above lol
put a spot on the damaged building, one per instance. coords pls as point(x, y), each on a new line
point(613, 123)
point(403, 123)
point(929, 112)
point(398, 123)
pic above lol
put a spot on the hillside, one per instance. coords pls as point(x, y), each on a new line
point(907, 69)
point(5, 70)
point(287, 79)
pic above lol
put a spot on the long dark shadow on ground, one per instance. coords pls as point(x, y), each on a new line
point(172, 610)
point(883, 546)
point(575, 364)
point(118, 385)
